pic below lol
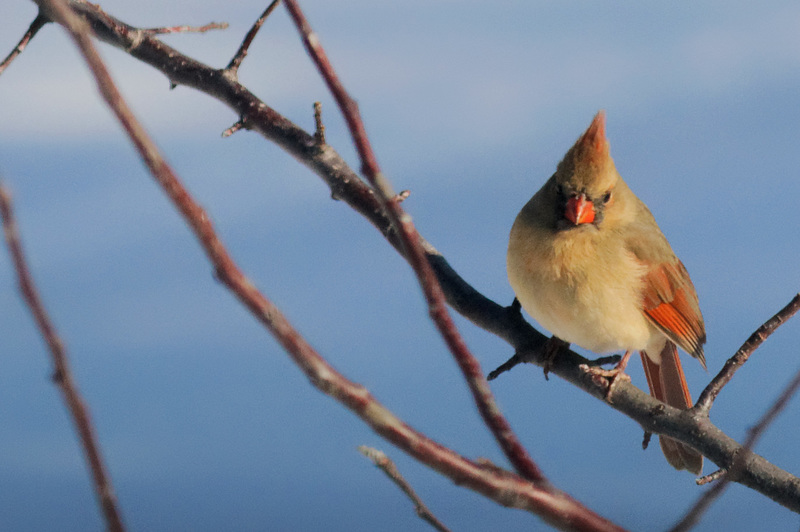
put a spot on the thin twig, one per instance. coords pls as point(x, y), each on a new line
point(385, 464)
point(704, 502)
point(62, 374)
point(711, 477)
point(33, 29)
point(319, 127)
point(237, 59)
point(234, 128)
point(186, 29)
point(506, 488)
point(349, 107)
point(482, 394)
point(710, 393)
point(508, 365)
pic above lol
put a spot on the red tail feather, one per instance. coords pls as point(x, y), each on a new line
point(667, 384)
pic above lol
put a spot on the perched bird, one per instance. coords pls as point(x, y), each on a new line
point(587, 261)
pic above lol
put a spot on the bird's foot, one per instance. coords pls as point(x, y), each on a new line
point(616, 373)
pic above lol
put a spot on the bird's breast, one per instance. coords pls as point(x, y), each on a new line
point(579, 286)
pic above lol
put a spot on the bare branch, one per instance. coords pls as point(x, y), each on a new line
point(706, 479)
point(186, 29)
point(345, 185)
point(482, 394)
point(319, 127)
point(33, 29)
point(233, 129)
point(508, 365)
point(646, 440)
point(62, 374)
point(385, 464)
point(741, 356)
point(510, 490)
point(237, 59)
point(742, 456)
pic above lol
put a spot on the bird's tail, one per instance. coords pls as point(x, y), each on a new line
point(667, 384)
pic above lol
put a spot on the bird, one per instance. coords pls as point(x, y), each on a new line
point(587, 260)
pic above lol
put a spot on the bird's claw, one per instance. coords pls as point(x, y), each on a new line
point(615, 374)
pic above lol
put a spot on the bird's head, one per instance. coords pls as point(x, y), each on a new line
point(586, 179)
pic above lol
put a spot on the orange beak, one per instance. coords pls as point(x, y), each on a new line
point(579, 210)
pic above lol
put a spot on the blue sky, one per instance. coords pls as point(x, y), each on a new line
point(204, 421)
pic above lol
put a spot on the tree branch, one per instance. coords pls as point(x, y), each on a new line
point(685, 426)
point(62, 374)
point(414, 252)
point(33, 29)
point(186, 29)
point(241, 53)
point(745, 453)
point(385, 464)
point(555, 507)
point(710, 393)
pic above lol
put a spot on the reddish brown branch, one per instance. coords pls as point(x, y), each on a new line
point(369, 164)
point(745, 453)
point(488, 408)
point(62, 375)
point(510, 490)
point(385, 464)
point(741, 356)
point(237, 59)
point(33, 29)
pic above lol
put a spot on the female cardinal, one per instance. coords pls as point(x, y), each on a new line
point(588, 262)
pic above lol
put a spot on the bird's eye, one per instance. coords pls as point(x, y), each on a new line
point(607, 197)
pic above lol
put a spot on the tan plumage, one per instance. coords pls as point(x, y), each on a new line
point(587, 260)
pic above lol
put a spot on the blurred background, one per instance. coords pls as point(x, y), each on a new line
point(204, 421)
